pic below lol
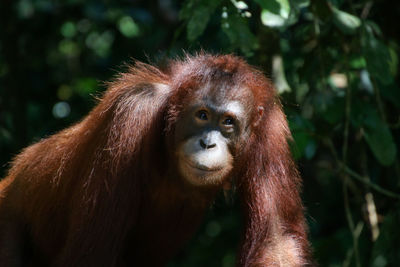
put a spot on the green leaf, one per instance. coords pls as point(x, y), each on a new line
point(377, 56)
point(376, 132)
point(357, 62)
point(68, 29)
point(198, 22)
point(272, 20)
point(128, 27)
point(197, 14)
point(300, 3)
point(240, 5)
point(379, 139)
point(85, 86)
point(275, 13)
point(394, 62)
point(238, 32)
point(346, 22)
point(304, 144)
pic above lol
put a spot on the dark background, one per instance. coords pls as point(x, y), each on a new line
point(334, 62)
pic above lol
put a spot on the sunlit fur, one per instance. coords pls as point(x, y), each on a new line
point(107, 190)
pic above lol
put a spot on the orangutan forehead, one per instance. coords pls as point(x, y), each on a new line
point(234, 107)
point(232, 97)
point(223, 90)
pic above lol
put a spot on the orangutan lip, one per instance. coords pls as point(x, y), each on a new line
point(202, 168)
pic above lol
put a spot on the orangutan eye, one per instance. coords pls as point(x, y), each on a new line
point(229, 121)
point(202, 115)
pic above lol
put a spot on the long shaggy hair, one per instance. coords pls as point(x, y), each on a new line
point(79, 194)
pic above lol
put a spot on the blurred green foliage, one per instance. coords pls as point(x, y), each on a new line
point(334, 62)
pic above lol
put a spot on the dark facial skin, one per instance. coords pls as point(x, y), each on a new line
point(209, 134)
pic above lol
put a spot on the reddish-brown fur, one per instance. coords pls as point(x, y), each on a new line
point(106, 191)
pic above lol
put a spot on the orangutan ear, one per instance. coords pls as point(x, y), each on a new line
point(259, 115)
